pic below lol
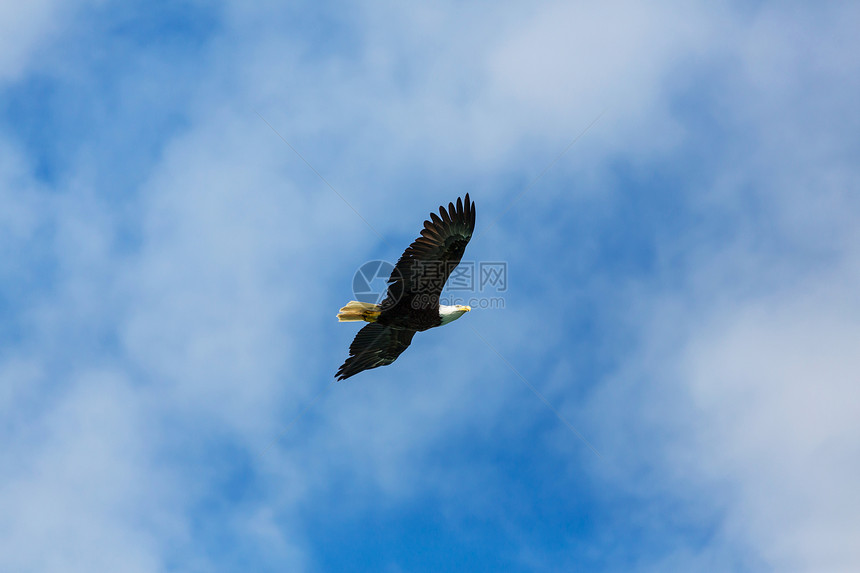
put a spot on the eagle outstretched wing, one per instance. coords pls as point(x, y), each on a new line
point(427, 263)
point(374, 345)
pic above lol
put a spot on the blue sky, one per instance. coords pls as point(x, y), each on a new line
point(682, 286)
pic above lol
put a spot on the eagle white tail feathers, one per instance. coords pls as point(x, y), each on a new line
point(355, 311)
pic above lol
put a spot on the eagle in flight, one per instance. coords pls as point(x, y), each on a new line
point(412, 301)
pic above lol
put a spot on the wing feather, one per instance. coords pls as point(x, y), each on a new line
point(427, 263)
point(374, 345)
point(446, 218)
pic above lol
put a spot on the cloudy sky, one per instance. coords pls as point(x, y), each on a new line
point(675, 191)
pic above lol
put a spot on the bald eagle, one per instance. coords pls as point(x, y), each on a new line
point(412, 300)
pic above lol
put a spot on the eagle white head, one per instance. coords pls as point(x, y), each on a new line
point(452, 312)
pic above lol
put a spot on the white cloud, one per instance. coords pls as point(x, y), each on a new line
point(775, 388)
point(22, 29)
point(565, 62)
point(83, 493)
point(742, 397)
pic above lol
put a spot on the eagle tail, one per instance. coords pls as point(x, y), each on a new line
point(355, 311)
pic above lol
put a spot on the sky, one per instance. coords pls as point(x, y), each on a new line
point(187, 190)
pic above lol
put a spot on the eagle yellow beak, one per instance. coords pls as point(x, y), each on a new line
point(466, 308)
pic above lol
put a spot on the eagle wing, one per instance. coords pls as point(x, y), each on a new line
point(374, 345)
point(427, 263)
